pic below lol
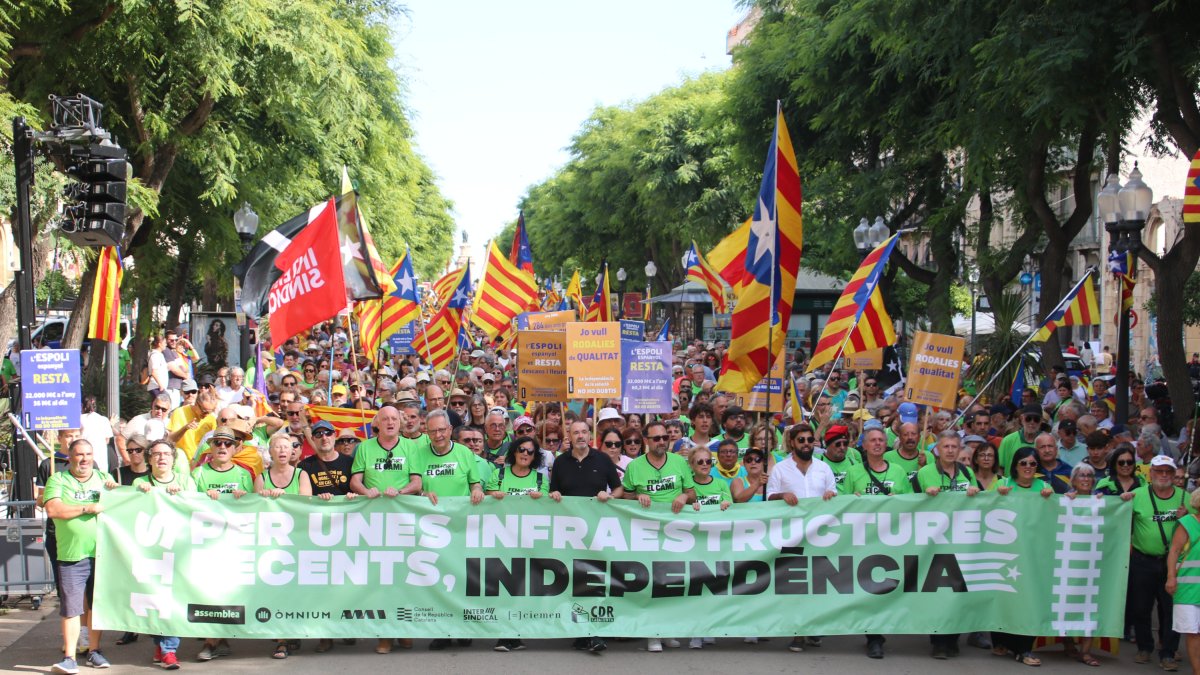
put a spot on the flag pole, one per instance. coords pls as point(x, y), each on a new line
point(838, 355)
point(1032, 334)
point(329, 393)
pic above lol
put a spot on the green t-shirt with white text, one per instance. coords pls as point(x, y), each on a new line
point(663, 484)
point(448, 475)
point(234, 478)
point(893, 480)
point(511, 483)
point(382, 468)
point(712, 493)
point(76, 536)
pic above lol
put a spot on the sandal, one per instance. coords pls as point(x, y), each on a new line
point(1029, 659)
point(281, 651)
point(1087, 659)
point(999, 651)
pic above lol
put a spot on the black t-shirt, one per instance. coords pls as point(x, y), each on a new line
point(331, 477)
point(126, 475)
point(586, 478)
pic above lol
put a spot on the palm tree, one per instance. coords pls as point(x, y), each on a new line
point(1005, 341)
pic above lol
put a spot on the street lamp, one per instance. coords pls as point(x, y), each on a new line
point(245, 221)
point(973, 277)
point(1124, 210)
point(867, 237)
point(621, 277)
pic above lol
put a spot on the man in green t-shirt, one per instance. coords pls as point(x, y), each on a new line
point(472, 438)
point(1157, 508)
point(876, 476)
point(658, 476)
point(384, 465)
point(1026, 436)
point(72, 500)
point(908, 455)
point(449, 468)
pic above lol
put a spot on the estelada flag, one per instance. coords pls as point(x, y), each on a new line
point(312, 287)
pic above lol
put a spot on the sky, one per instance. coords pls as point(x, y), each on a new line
point(496, 90)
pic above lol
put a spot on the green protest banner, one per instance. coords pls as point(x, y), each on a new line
point(297, 567)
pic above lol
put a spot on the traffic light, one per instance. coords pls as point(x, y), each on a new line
point(94, 207)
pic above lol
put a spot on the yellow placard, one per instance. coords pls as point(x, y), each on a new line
point(869, 360)
point(768, 395)
point(593, 359)
point(541, 365)
point(934, 369)
point(557, 320)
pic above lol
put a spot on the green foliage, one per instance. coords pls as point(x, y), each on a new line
point(642, 182)
point(54, 287)
point(1191, 302)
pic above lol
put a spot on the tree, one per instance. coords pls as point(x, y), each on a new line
point(242, 101)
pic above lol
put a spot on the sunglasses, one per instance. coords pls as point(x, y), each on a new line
point(839, 444)
point(612, 444)
point(346, 441)
point(704, 462)
point(804, 439)
point(552, 441)
point(161, 409)
point(1032, 418)
point(293, 413)
point(525, 450)
point(322, 433)
point(632, 441)
point(752, 460)
point(1125, 462)
point(223, 444)
point(657, 439)
point(1027, 463)
point(129, 449)
point(296, 444)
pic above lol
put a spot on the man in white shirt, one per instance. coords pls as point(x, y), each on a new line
point(97, 429)
point(153, 424)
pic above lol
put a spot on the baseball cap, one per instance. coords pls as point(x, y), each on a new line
point(189, 385)
point(322, 425)
point(872, 424)
point(477, 354)
point(608, 414)
point(973, 438)
point(423, 376)
point(1162, 460)
point(1068, 426)
point(908, 413)
point(1031, 409)
point(340, 389)
point(206, 379)
point(523, 420)
point(489, 377)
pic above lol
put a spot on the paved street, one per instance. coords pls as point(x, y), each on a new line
point(34, 651)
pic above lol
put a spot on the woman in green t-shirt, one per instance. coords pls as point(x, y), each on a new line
point(161, 457)
point(1021, 478)
point(521, 473)
point(282, 477)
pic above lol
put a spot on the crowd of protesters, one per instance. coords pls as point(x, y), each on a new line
point(215, 428)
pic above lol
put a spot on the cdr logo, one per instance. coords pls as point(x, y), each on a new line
point(263, 614)
point(594, 614)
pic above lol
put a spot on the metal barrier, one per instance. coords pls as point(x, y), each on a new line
point(24, 561)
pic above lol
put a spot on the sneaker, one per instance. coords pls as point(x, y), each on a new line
point(710, 641)
point(597, 645)
point(223, 649)
point(170, 661)
point(96, 660)
point(1169, 664)
point(439, 644)
point(797, 645)
point(206, 654)
point(875, 649)
point(65, 667)
point(1142, 657)
point(516, 645)
point(979, 640)
point(939, 653)
point(158, 654)
point(750, 641)
point(654, 645)
point(501, 646)
point(672, 643)
point(582, 644)
point(695, 643)
point(812, 641)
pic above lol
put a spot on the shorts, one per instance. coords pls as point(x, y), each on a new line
point(1186, 619)
point(77, 581)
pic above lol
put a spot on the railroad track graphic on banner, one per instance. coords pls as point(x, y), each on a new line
point(1076, 578)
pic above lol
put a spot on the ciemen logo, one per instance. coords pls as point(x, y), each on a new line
point(227, 614)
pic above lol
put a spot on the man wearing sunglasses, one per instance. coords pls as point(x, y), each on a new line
point(328, 470)
point(799, 477)
point(838, 454)
point(152, 424)
point(1025, 436)
point(658, 476)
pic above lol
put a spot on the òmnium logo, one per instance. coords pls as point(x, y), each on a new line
point(373, 614)
point(263, 614)
point(228, 614)
point(404, 614)
point(479, 614)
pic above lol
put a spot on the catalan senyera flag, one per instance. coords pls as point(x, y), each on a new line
point(574, 291)
point(444, 287)
point(728, 258)
point(1077, 308)
point(1191, 193)
point(344, 418)
point(105, 320)
point(600, 308)
point(772, 259)
point(505, 292)
point(860, 296)
point(700, 271)
point(521, 254)
point(439, 342)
